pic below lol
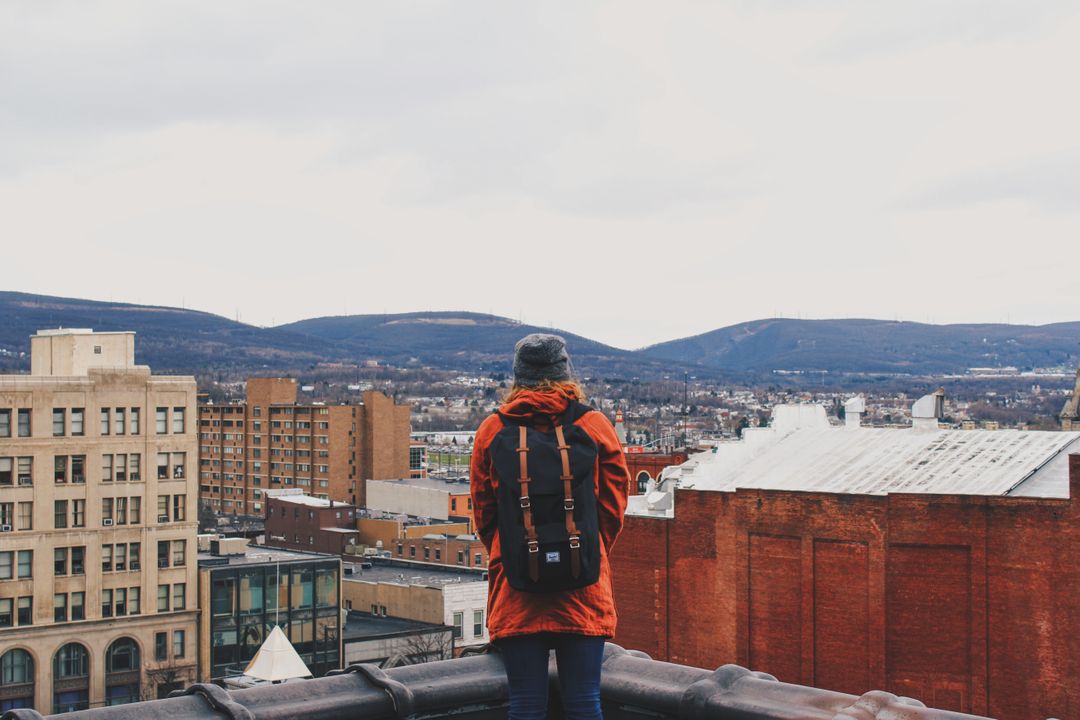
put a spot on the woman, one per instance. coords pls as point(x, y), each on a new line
point(575, 622)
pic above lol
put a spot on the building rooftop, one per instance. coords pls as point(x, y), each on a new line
point(474, 688)
point(801, 451)
point(455, 486)
point(405, 573)
point(365, 626)
point(261, 554)
point(307, 500)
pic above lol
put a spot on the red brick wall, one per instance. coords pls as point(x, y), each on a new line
point(966, 603)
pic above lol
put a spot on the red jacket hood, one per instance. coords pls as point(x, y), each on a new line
point(543, 402)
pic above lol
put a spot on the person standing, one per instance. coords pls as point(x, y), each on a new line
point(549, 486)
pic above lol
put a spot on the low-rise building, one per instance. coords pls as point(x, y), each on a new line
point(302, 522)
point(421, 497)
point(245, 591)
point(390, 641)
point(425, 592)
point(458, 550)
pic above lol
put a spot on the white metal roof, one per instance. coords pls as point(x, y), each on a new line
point(801, 451)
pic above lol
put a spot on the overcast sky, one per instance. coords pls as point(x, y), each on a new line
point(633, 172)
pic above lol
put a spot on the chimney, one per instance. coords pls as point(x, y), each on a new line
point(853, 411)
point(927, 410)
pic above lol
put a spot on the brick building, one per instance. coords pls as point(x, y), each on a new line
point(308, 523)
point(461, 550)
point(875, 574)
point(271, 442)
point(646, 465)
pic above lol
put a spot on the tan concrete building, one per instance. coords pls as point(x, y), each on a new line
point(270, 442)
point(97, 526)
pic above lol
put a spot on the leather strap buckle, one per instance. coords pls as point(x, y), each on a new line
point(575, 542)
point(526, 503)
point(534, 546)
point(568, 503)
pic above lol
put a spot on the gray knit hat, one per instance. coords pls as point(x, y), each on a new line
point(539, 357)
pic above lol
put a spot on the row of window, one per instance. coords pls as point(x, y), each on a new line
point(71, 673)
point(71, 607)
point(72, 513)
point(72, 422)
point(115, 467)
point(478, 558)
point(115, 557)
point(477, 625)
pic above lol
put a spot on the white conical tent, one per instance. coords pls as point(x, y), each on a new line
point(277, 660)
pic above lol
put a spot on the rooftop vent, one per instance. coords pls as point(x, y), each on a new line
point(928, 410)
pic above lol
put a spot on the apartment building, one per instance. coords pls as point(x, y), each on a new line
point(97, 526)
point(270, 442)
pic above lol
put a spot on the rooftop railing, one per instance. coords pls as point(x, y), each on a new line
point(474, 688)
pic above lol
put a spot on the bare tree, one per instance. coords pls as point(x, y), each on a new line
point(424, 647)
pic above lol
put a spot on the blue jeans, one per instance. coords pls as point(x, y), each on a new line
point(578, 658)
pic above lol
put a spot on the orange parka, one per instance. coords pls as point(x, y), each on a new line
point(584, 611)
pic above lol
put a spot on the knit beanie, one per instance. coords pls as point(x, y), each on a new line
point(539, 357)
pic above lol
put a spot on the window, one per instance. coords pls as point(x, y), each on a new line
point(179, 596)
point(179, 460)
point(120, 421)
point(135, 414)
point(106, 468)
point(60, 607)
point(133, 601)
point(163, 508)
point(106, 558)
point(121, 511)
point(78, 417)
point(78, 608)
point(6, 560)
point(412, 551)
point(106, 511)
point(6, 465)
point(459, 620)
point(120, 557)
point(135, 510)
point(7, 612)
point(7, 514)
point(134, 461)
point(478, 623)
point(179, 553)
point(26, 470)
point(134, 550)
point(163, 598)
point(78, 558)
point(60, 562)
point(26, 516)
point(178, 420)
point(178, 502)
point(161, 646)
point(25, 568)
point(78, 469)
point(479, 559)
point(26, 611)
point(178, 643)
point(24, 422)
point(60, 508)
point(162, 421)
point(163, 466)
point(60, 468)
point(460, 557)
point(59, 421)
point(120, 467)
point(5, 425)
point(105, 425)
point(106, 603)
point(163, 553)
point(427, 553)
point(78, 513)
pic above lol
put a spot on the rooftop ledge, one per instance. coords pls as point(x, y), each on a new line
point(474, 688)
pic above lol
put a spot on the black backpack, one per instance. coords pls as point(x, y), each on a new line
point(547, 517)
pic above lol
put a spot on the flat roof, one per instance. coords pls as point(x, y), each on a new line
point(454, 487)
point(260, 554)
point(309, 501)
point(425, 574)
point(365, 626)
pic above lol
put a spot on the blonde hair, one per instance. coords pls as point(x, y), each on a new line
point(569, 388)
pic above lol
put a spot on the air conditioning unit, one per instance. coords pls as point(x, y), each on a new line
point(134, 477)
point(133, 565)
point(163, 562)
point(26, 480)
point(106, 522)
point(5, 528)
point(163, 518)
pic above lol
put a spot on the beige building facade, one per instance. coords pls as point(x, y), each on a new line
point(98, 502)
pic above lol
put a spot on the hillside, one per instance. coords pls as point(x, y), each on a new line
point(874, 346)
point(169, 339)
